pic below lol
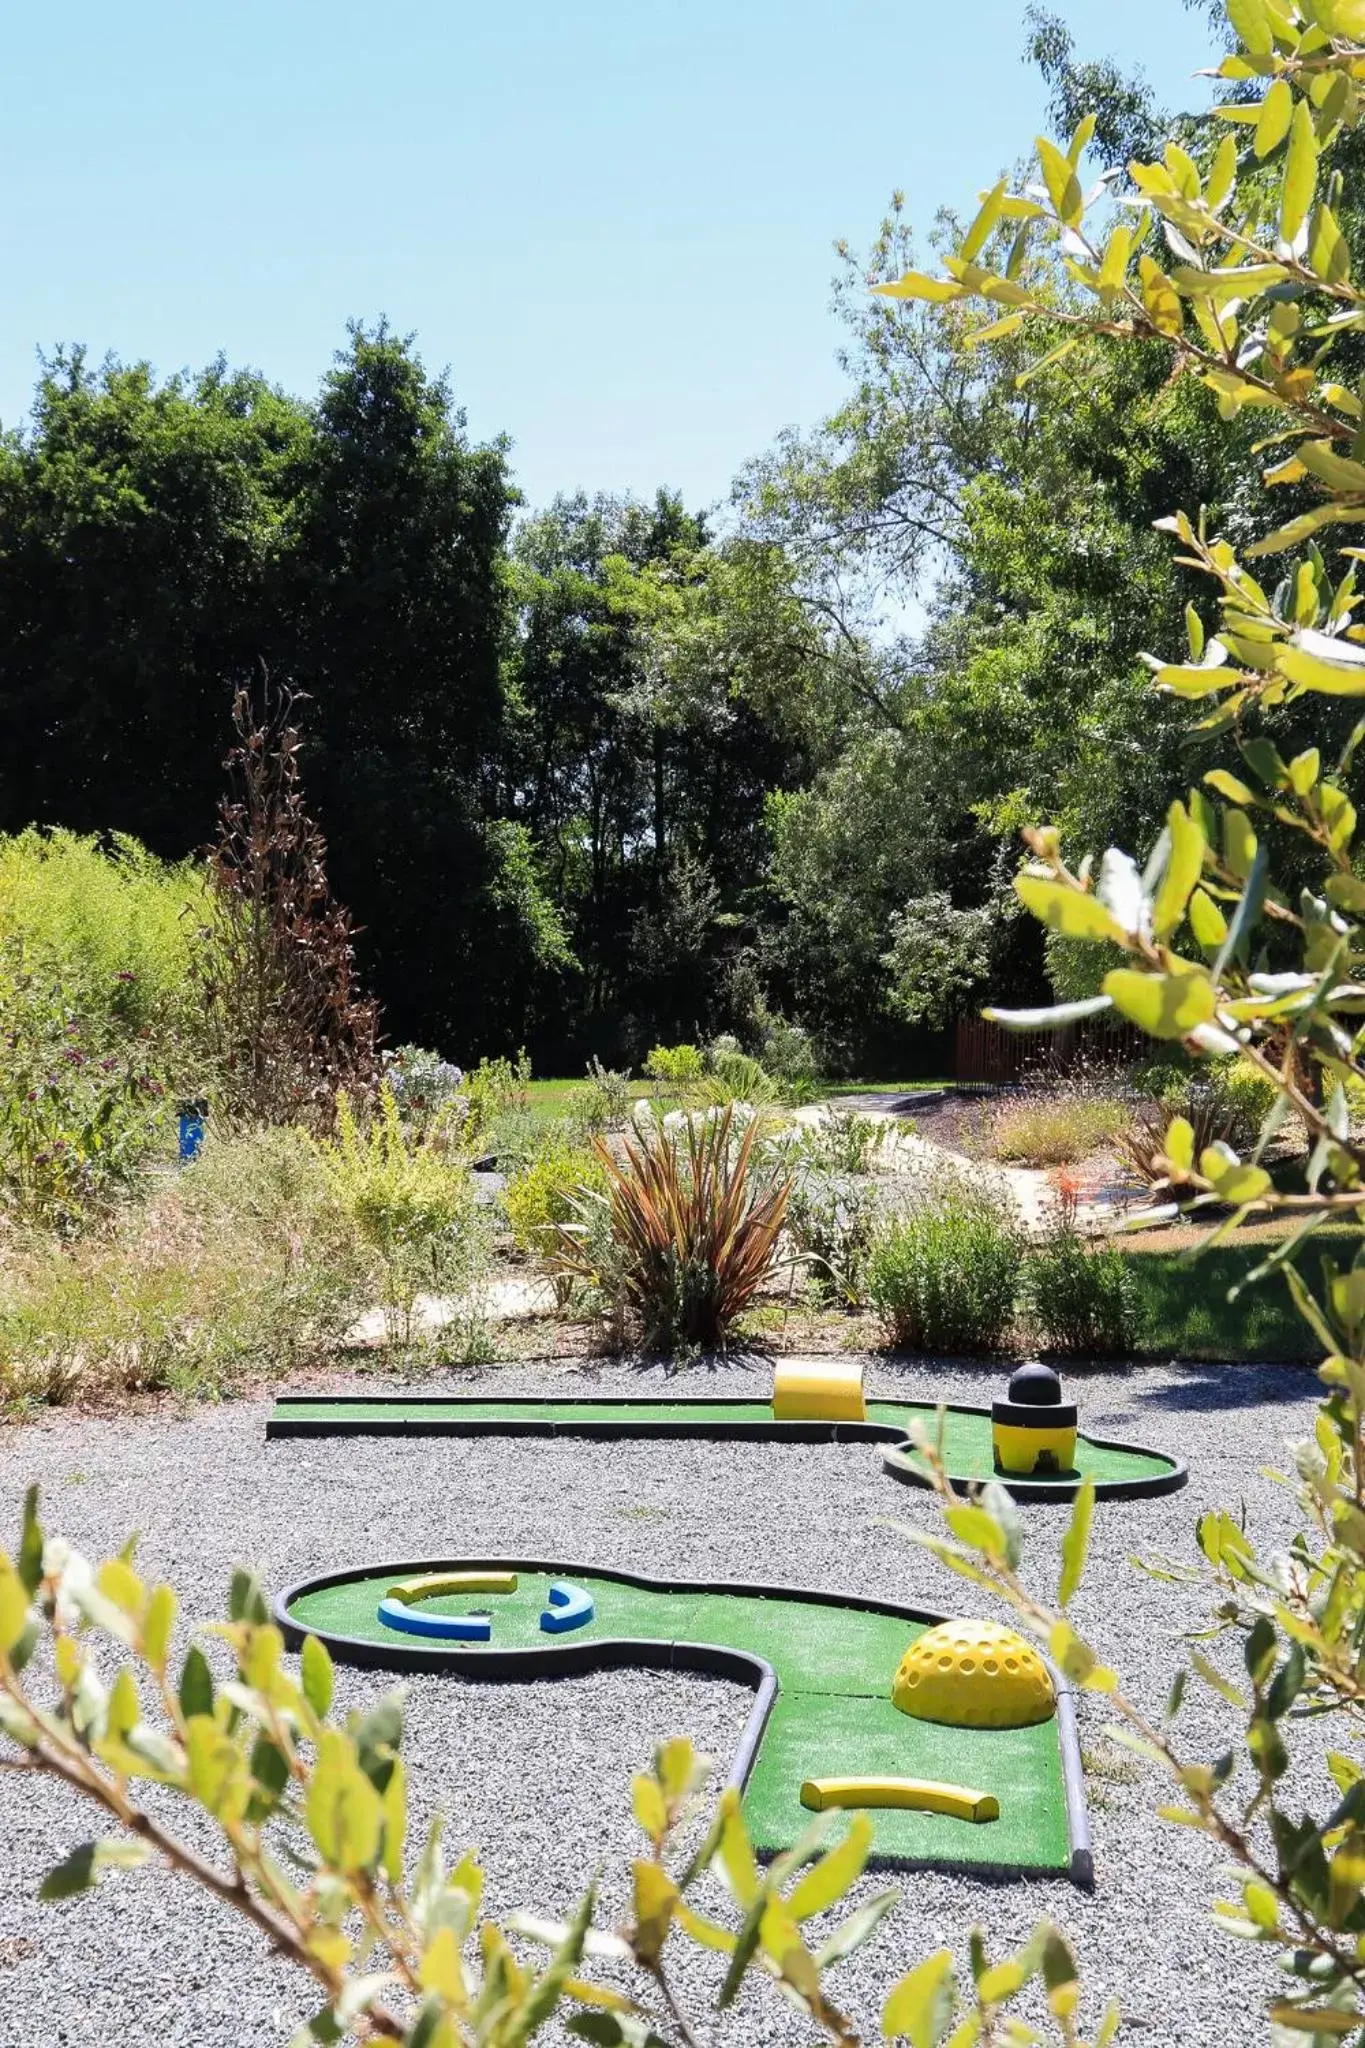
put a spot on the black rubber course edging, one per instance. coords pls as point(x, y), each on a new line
point(568, 1659)
point(445, 1419)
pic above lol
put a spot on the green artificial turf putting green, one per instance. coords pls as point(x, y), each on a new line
point(966, 1443)
point(833, 1715)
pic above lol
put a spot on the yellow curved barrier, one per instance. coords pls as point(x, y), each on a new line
point(435, 1583)
point(920, 1795)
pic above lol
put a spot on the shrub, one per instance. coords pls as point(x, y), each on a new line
point(76, 1119)
point(737, 1077)
point(787, 1052)
point(497, 1093)
point(541, 1196)
point(677, 1065)
point(693, 1236)
point(98, 1693)
point(1056, 1129)
point(944, 1276)
point(412, 1207)
point(840, 1141)
point(425, 1087)
point(1080, 1297)
point(115, 926)
point(833, 1223)
point(1232, 938)
point(244, 1265)
point(608, 1103)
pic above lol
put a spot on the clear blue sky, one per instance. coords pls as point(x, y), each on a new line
point(611, 218)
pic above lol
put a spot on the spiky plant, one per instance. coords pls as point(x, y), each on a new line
point(693, 1234)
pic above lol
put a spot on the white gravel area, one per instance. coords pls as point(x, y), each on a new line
point(538, 1776)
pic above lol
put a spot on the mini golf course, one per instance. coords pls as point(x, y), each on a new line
point(1120, 1471)
point(820, 1665)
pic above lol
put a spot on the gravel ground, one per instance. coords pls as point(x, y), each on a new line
point(539, 1775)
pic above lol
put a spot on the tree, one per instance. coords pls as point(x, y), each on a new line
point(138, 524)
point(395, 595)
point(648, 730)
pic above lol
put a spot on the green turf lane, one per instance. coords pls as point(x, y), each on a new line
point(967, 1434)
point(833, 1716)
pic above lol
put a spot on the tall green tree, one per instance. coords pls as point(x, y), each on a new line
point(653, 690)
point(138, 526)
point(395, 593)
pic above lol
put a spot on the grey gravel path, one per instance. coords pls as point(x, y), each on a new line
point(539, 1775)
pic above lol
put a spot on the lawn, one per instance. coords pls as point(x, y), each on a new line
point(1183, 1306)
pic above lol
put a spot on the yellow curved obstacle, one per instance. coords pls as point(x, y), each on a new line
point(920, 1795)
point(973, 1674)
point(819, 1390)
point(436, 1583)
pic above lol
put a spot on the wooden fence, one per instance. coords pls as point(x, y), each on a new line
point(988, 1056)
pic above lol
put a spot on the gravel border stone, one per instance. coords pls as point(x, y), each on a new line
point(539, 1776)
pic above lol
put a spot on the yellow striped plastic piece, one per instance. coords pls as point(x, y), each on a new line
point(920, 1795)
point(829, 1390)
point(435, 1583)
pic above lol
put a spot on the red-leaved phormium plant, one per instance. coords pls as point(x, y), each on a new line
point(693, 1235)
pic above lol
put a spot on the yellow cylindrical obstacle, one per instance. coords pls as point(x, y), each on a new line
point(819, 1390)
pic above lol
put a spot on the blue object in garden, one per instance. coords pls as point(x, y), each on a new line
point(459, 1628)
point(193, 1116)
point(570, 1607)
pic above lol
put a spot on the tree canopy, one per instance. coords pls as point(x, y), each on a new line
point(605, 773)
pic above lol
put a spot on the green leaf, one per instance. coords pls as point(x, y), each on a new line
point(1304, 771)
point(977, 1530)
point(850, 1934)
point(979, 233)
point(29, 1563)
point(1162, 1005)
point(1230, 786)
point(1326, 678)
point(1272, 122)
point(1183, 867)
point(317, 1676)
point(920, 2007)
point(1207, 921)
point(1076, 1541)
point(84, 1866)
point(825, 1883)
point(614, 2030)
point(1063, 186)
point(1300, 171)
point(915, 285)
point(1302, 528)
point(1251, 20)
point(196, 1684)
point(1160, 298)
point(1071, 913)
point(996, 330)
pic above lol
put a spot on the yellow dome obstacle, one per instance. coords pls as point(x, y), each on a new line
point(819, 1390)
point(973, 1674)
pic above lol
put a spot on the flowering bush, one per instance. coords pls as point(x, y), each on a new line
point(424, 1086)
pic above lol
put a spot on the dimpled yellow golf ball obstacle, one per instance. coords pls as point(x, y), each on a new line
point(973, 1674)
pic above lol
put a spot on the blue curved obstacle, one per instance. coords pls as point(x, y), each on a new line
point(570, 1607)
